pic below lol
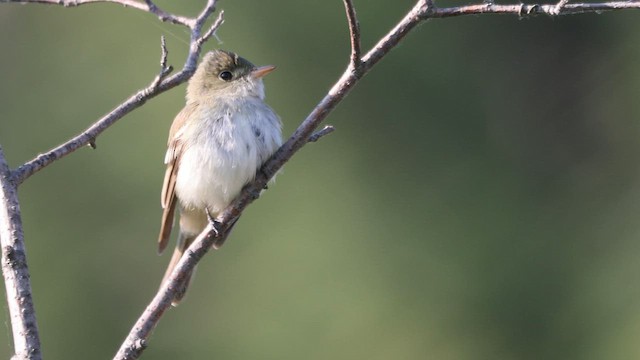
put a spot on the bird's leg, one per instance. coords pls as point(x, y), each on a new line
point(215, 225)
point(266, 186)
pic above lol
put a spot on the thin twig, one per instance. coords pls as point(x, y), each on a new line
point(164, 69)
point(328, 129)
point(26, 339)
point(164, 56)
point(146, 6)
point(559, 6)
point(205, 13)
point(212, 29)
point(354, 33)
point(133, 102)
point(391, 40)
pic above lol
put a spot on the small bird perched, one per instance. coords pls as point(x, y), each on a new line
point(216, 144)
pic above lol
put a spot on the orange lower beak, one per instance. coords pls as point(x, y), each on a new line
point(262, 71)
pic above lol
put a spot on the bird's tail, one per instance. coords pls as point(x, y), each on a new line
point(184, 240)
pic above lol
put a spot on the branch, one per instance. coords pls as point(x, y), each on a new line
point(136, 341)
point(14, 263)
point(358, 67)
point(354, 33)
point(160, 84)
point(523, 10)
point(320, 133)
point(423, 9)
point(558, 8)
point(562, 7)
point(146, 6)
point(26, 341)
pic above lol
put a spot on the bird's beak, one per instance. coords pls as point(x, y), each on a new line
point(262, 71)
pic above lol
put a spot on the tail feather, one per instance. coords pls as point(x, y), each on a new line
point(184, 241)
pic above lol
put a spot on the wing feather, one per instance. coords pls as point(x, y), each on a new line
point(172, 159)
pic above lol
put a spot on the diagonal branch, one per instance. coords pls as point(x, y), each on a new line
point(422, 10)
point(160, 84)
point(14, 262)
point(136, 340)
point(26, 340)
point(89, 135)
point(321, 133)
point(212, 30)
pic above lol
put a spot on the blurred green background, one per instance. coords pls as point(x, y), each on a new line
point(479, 200)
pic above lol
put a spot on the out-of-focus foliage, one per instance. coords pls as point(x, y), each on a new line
point(480, 198)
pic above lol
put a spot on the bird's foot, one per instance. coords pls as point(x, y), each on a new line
point(215, 225)
point(266, 186)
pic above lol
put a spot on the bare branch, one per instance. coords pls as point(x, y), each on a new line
point(165, 54)
point(205, 13)
point(485, 7)
point(26, 339)
point(559, 6)
point(523, 10)
point(354, 33)
point(88, 136)
point(147, 6)
point(320, 133)
point(164, 69)
point(15, 271)
point(135, 343)
point(160, 84)
point(359, 66)
point(212, 30)
point(153, 8)
point(136, 340)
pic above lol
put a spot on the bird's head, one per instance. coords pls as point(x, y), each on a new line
point(224, 74)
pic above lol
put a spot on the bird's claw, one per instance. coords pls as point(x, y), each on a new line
point(215, 225)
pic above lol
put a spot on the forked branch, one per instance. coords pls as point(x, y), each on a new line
point(358, 67)
point(14, 262)
point(161, 83)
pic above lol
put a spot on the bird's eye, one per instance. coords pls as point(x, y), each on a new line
point(226, 75)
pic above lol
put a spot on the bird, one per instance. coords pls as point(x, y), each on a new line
point(216, 145)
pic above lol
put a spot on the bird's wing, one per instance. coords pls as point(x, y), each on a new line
point(172, 159)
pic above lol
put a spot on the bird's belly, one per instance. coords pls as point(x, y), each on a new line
point(211, 176)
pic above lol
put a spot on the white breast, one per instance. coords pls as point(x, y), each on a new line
point(227, 148)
